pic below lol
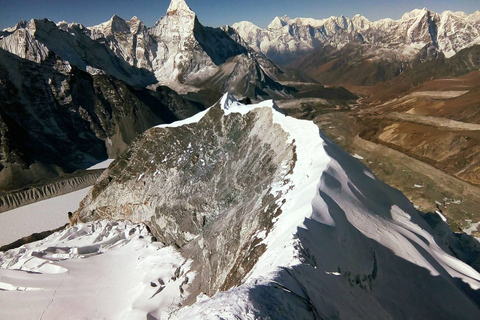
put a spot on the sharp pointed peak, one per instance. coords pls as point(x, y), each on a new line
point(116, 24)
point(116, 18)
point(278, 22)
point(177, 6)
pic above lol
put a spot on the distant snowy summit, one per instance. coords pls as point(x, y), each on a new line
point(286, 39)
point(178, 51)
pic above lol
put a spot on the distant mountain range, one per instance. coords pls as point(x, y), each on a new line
point(52, 74)
point(286, 39)
point(360, 52)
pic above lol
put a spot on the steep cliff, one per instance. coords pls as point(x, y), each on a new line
point(55, 117)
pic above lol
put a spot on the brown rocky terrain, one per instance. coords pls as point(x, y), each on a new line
point(424, 141)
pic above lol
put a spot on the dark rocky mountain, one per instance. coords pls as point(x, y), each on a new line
point(57, 118)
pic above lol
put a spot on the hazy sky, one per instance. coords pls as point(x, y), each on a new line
point(217, 12)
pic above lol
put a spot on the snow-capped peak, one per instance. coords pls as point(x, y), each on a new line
point(118, 24)
point(415, 13)
point(22, 24)
point(404, 37)
point(115, 24)
point(278, 22)
point(360, 22)
point(178, 6)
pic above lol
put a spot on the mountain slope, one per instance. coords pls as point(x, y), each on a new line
point(36, 39)
point(55, 117)
point(275, 230)
point(357, 51)
point(187, 56)
point(177, 51)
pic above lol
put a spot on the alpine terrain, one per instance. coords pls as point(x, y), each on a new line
point(254, 215)
point(72, 96)
point(181, 171)
point(417, 79)
point(334, 50)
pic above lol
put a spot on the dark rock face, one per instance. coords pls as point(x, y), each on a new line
point(56, 118)
point(205, 187)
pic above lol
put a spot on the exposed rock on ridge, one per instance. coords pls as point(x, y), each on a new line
point(282, 220)
point(205, 181)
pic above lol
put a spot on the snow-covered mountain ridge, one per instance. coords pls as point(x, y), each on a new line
point(286, 39)
point(278, 222)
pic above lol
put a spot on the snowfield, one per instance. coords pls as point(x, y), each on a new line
point(43, 215)
point(100, 270)
point(40, 216)
point(345, 246)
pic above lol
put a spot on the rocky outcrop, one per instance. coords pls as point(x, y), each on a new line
point(279, 222)
point(205, 187)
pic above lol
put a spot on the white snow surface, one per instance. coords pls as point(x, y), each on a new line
point(335, 213)
point(39, 216)
point(99, 270)
point(101, 165)
point(398, 233)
